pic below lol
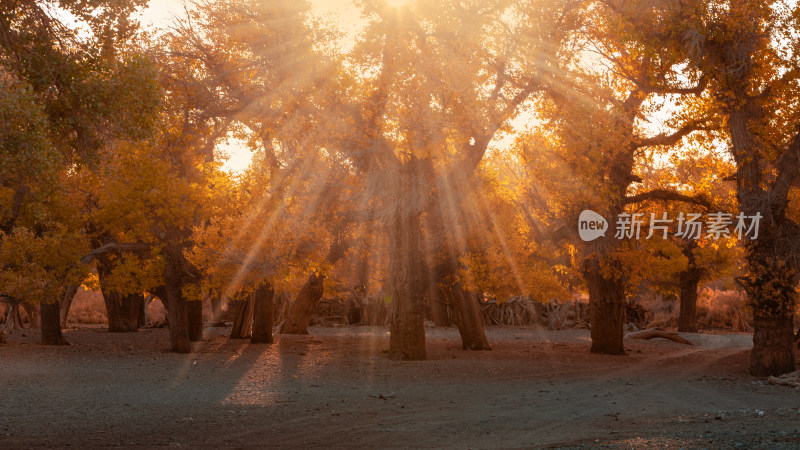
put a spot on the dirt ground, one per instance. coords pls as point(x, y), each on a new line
point(336, 388)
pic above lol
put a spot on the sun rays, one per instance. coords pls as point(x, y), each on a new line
point(370, 163)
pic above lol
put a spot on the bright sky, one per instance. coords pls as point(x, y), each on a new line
point(159, 13)
point(348, 18)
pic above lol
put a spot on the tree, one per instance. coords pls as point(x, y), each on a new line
point(73, 84)
point(632, 52)
point(146, 236)
point(683, 260)
point(215, 83)
point(749, 50)
point(263, 244)
point(481, 91)
point(444, 79)
point(251, 50)
point(513, 254)
point(37, 268)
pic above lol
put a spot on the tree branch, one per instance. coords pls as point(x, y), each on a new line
point(134, 247)
point(697, 89)
point(672, 139)
point(477, 149)
point(669, 196)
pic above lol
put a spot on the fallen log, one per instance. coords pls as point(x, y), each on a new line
point(657, 333)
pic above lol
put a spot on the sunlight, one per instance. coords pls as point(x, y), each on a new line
point(355, 186)
point(235, 154)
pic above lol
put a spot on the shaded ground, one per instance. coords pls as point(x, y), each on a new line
point(336, 388)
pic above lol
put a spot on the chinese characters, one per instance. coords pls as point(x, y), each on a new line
point(688, 226)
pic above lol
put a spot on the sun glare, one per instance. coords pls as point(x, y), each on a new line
point(396, 3)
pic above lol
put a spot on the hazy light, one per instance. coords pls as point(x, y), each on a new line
point(396, 3)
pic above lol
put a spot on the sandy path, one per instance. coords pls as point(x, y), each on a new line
point(535, 389)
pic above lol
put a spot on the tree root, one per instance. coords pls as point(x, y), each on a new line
point(790, 379)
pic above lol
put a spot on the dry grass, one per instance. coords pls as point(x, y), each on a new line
point(661, 312)
point(716, 308)
point(723, 309)
point(88, 308)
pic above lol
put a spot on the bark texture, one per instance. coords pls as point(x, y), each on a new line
point(122, 311)
point(771, 295)
point(301, 308)
point(243, 318)
point(195, 318)
point(689, 280)
point(51, 324)
point(263, 307)
point(141, 319)
point(687, 320)
point(607, 302)
point(172, 294)
point(468, 319)
point(773, 347)
point(216, 310)
point(407, 326)
point(66, 303)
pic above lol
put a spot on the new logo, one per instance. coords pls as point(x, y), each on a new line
point(591, 225)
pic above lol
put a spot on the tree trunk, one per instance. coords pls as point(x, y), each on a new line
point(12, 317)
point(263, 304)
point(141, 319)
point(51, 324)
point(177, 306)
point(66, 303)
point(607, 300)
point(438, 305)
point(438, 310)
point(450, 294)
point(195, 318)
point(772, 257)
point(773, 347)
point(687, 322)
point(466, 309)
point(362, 270)
point(770, 289)
point(407, 326)
point(468, 319)
point(216, 310)
point(303, 305)
point(122, 311)
point(770, 293)
point(282, 302)
point(243, 320)
point(178, 321)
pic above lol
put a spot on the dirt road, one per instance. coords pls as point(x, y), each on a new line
point(336, 388)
